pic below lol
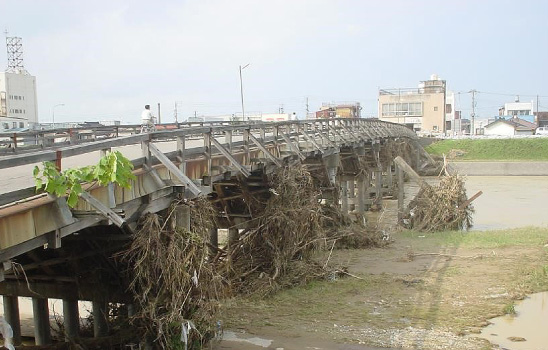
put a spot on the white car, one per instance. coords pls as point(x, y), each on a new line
point(543, 130)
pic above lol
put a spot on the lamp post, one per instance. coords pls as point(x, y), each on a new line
point(242, 90)
point(53, 114)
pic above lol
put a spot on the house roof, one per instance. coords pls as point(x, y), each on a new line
point(516, 123)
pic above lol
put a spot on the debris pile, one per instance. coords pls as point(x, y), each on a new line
point(440, 207)
point(288, 229)
point(171, 280)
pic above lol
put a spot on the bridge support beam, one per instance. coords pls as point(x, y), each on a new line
point(214, 241)
point(40, 311)
point(399, 175)
point(11, 312)
point(351, 181)
point(389, 179)
point(378, 186)
point(182, 217)
point(361, 194)
point(344, 196)
point(71, 319)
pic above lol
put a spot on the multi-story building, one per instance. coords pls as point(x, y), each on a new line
point(425, 109)
point(18, 103)
point(339, 110)
point(522, 110)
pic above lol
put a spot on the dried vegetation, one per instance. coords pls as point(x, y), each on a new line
point(175, 278)
point(441, 207)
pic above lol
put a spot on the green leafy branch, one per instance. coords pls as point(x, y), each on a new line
point(112, 168)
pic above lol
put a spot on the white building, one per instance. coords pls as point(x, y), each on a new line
point(510, 127)
point(518, 108)
point(18, 105)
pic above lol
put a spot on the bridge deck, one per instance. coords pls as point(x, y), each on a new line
point(202, 154)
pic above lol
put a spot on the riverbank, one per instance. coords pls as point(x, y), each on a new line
point(421, 292)
point(481, 168)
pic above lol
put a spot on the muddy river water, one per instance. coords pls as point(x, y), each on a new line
point(507, 202)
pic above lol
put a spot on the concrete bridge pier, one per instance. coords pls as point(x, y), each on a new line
point(11, 314)
point(71, 319)
point(40, 311)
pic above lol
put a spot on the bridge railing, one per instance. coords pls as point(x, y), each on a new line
point(317, 133)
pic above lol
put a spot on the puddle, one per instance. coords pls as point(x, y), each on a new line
point(233, 337)
point(527, 326)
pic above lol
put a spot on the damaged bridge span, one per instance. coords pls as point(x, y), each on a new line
point(48, 250)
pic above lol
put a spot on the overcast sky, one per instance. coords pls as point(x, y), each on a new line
point(105, 59)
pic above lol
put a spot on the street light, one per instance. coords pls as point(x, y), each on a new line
point(242, 90)
point(53, 113)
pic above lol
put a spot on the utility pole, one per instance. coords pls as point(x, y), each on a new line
point(472, 127)
point(242, 90)
point(306, 117)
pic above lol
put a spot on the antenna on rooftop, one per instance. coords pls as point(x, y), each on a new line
point(15, 54)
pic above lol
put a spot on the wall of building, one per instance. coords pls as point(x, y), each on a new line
point(502, 129)
point(432, 112)
point(18, 92)
point(518, 108)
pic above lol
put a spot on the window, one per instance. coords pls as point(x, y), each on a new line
point(435, 128)
point(5, 126)
point(448, 108)
point(402, 109)
point(435, 108)
point(21, 124)
point(14, 124)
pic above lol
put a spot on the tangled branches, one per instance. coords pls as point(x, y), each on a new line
point(288, 229)
point(171, 279)
point(442, 207)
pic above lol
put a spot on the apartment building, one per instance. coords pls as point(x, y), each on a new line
point(422, 109)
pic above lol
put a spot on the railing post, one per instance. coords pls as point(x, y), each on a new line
point(228, 139)
point(247, 159)
point(181, 151)
point(207, 148)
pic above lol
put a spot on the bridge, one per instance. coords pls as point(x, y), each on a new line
point(47, 248)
